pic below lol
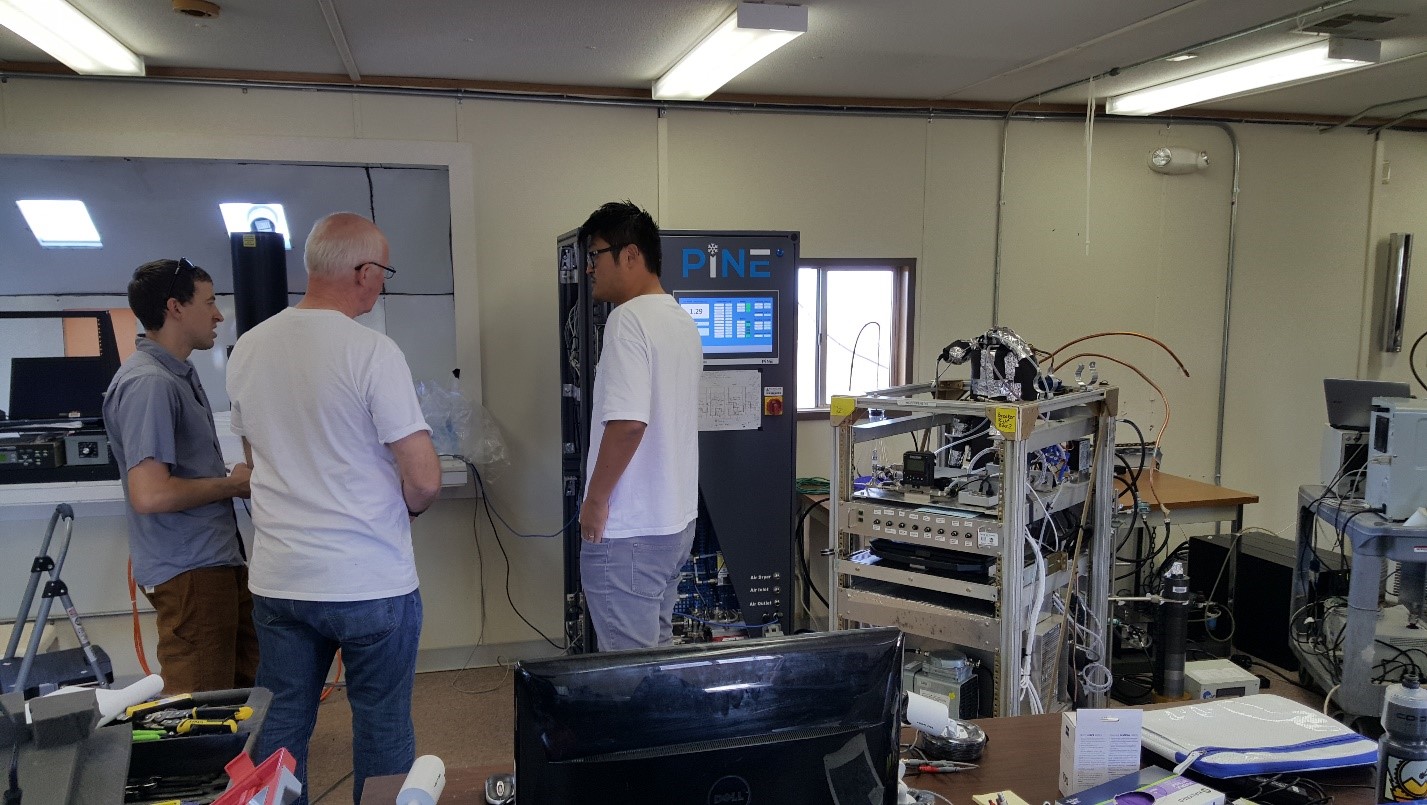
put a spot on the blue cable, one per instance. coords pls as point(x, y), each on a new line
point(729, 625)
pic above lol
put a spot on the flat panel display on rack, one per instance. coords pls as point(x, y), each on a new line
point(731, 325)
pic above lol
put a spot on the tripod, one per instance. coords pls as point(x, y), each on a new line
point(56, 667)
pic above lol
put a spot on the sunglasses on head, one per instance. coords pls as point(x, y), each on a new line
point(178, 268)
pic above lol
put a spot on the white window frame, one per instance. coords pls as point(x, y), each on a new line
point(904, 297)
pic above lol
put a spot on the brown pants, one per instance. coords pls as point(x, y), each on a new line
point(205, 623)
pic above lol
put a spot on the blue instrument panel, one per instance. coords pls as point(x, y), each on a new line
point(734, 324)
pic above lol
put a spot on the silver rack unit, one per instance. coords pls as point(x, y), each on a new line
point(978, 617)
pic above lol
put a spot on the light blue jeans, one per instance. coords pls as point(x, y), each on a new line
point(378, 638)
point(631, 586)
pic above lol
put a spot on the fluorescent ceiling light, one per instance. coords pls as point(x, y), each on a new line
point(739, 42)
point(1280, 68)
point(239, 217)
point(60, 224)
point(61, 30)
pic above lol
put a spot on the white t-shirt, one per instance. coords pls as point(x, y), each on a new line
point(319, 397)
point(648, 371)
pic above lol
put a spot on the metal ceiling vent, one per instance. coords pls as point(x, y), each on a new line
point(1365, 24)
point(201, 9)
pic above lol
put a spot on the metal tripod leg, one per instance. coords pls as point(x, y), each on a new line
point(54, 588)
point(42, 564)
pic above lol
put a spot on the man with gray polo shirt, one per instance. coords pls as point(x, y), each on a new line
point(183, 532)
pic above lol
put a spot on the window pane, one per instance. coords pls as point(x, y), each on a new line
point(808, 354)
point(859, 316)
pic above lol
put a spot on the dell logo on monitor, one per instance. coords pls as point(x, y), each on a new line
point(730, 790)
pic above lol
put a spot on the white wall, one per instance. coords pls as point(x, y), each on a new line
point(1398, 183)
point(1297, 306)
point(522, 173)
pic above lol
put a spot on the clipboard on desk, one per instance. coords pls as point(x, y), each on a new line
point(1259, 734)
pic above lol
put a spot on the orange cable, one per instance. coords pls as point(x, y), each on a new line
point(1163, 424)
point(134, 606)
point(331, 686)
point(1161, 344)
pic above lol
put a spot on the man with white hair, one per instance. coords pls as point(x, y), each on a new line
point(342, 463)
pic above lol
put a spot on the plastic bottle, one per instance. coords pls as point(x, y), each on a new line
point(1402, 751)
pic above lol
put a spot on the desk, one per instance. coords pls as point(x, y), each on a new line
point(1021, 755)
point(1191, 501)
point(1188, 502)
point(464, 786)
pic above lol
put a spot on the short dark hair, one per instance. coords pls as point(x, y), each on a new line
point(621, 223)
point(156, 282)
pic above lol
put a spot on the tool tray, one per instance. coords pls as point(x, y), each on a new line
point(198, 755)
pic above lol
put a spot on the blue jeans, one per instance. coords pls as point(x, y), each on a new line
point(631, 585)
point(297, 640)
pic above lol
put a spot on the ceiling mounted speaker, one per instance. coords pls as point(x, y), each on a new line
point(196, 8)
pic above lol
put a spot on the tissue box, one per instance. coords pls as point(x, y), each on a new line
point(1097, 746)
point(1148, 786)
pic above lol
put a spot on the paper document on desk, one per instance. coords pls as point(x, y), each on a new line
point(1259, 734)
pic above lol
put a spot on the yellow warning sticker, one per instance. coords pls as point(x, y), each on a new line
point(249, 241)
point(1006, 420)
point(842, 406)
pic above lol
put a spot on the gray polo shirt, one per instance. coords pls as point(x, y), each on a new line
point(156, 408)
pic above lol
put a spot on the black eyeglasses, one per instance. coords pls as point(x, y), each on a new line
point(594, 254)
point(177, 269)
point(390, 272)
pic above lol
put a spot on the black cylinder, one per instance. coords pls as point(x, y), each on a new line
point(259, 276)
point(1171, 635)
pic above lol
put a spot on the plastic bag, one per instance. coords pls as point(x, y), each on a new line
point(460, 427)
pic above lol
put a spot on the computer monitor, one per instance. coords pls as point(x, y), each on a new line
point(1350, 401)
point(58, 387)
point(734, 324)
point(801, 720)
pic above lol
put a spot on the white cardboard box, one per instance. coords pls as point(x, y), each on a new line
point(1097, 746)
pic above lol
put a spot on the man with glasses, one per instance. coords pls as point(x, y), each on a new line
point(642, 485)
point(183, 533)
point(342, 463)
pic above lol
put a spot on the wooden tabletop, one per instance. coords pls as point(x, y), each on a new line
point(1178, 492)
point(464, 786)
point(1022, 755)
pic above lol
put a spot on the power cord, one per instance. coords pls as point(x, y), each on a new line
point(798, 536)
point(495, 531)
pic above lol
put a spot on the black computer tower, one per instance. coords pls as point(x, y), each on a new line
point(1258, 578)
